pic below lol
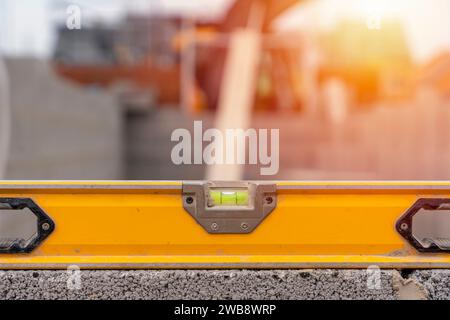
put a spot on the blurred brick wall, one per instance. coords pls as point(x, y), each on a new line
point(402, 142)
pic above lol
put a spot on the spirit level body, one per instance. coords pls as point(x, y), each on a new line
point(144, 225)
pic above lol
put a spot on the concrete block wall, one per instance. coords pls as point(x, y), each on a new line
point(61, 131)
point(403, 142)
point(398, 142)
point(148, 145)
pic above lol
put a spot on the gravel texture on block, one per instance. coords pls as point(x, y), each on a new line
point(435, 282)
point(223, 284)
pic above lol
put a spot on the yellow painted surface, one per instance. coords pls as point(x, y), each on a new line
point(143, 225)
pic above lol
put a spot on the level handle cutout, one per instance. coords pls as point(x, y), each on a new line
point(23, 225)
point(426, 225)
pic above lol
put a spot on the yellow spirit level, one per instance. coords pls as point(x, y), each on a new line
point(224, 224)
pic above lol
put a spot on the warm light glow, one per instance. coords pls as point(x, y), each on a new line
point(369, 7)
point(426, 23)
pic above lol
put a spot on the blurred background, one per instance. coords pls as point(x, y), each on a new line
point(360, 89)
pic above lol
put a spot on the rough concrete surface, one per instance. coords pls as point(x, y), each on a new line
point(224, 284)
point(435, 282)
